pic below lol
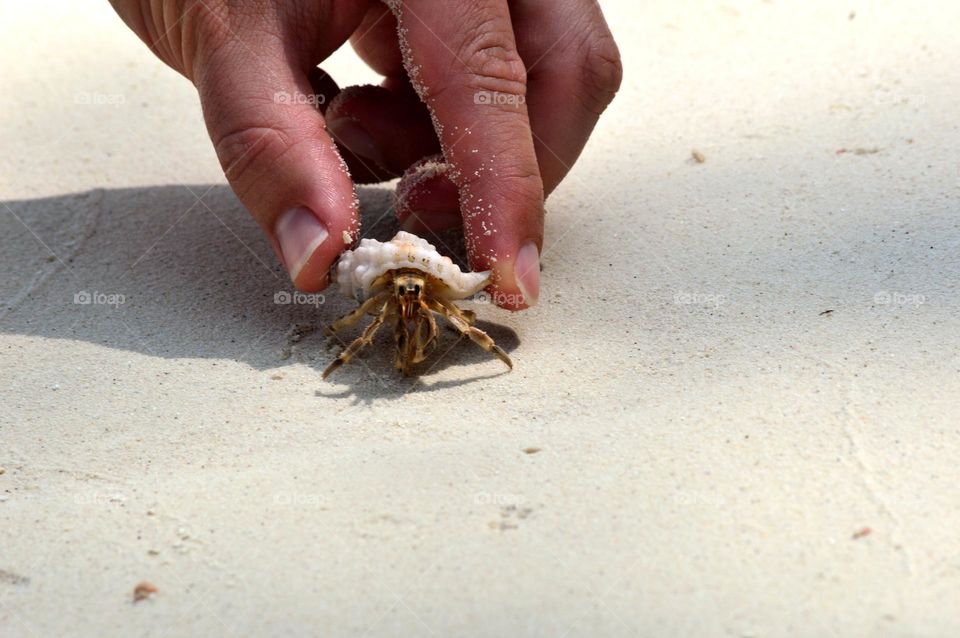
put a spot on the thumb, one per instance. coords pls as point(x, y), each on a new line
point(272, 143)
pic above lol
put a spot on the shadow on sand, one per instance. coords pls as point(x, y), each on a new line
point(183, 272)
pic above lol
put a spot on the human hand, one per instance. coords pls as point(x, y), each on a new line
point(512, 92)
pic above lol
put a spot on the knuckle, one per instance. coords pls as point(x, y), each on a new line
point(492, 60)
point(241, 150)
point(208, 21)
point(518, 179)
point(206, 35)
point(601, 72)
point(219, 29)
point(226, 17)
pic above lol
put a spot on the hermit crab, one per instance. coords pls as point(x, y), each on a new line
point(406, 281)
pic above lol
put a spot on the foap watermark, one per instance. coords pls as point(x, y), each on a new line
point(97, 298)
point(99, 99)
point(698, 499)
point(297, 499)
point(498, 298)
point(887, 298)
point(683, 298)
point(313, 99)
point(498, 98)
point(99, 499)
point(498, 498)
point(297, 298)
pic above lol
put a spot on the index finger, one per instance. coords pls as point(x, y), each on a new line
point(462, 59)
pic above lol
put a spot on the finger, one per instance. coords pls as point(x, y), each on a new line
point(463, 60)
point(375, 41)
point(382, 131)
point(277, 156)
point(426, 199)
point(573, 73)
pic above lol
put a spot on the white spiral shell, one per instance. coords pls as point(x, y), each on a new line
point(360, 267)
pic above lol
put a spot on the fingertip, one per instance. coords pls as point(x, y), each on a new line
point(315, 276)
point(526, 271)
point(427, 198)
point(307, 247)
point(515, 277)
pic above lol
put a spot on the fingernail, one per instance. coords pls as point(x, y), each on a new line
point(527, 271)
point(299, 233)
point(350, 134)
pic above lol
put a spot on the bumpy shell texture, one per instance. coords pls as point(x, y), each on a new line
point(359, 268)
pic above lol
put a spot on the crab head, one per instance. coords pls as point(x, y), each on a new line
point(409, 287)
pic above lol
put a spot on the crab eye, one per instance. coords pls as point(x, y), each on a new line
point(416, 290)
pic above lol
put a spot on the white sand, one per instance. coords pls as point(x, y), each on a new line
point(709, 442)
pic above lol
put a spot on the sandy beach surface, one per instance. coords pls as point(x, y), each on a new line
point(733, 413)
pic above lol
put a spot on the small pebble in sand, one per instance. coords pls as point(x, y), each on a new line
point(12, 578)
point(860, 150)
point(3, 470)
point(531, 450)
point(143, 590)
point(698, 156)
point(298, 331)
point(860, 533)
point(276, 377)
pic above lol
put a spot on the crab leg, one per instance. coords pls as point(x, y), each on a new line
point(467, 315)
point(411, 344)
point(355, 315)
point(422, 345)
point(401, 337)
point(478, 336)
point(357, 344)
